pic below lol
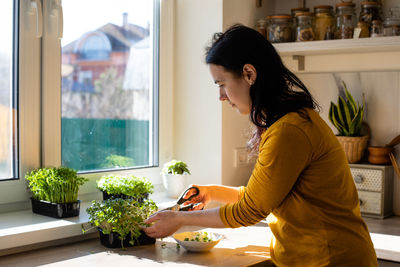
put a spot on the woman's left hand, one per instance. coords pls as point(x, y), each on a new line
point(165, 223)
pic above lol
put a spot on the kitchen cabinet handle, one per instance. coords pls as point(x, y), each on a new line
point(358, 179)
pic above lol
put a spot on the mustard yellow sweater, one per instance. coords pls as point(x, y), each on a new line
point(303, 182)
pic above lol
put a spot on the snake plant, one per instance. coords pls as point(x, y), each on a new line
point(347, 115)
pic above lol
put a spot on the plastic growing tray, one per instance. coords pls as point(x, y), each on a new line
point(112, 240)
point(55, 210)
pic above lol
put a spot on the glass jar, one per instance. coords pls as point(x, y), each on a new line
point(391, 25)
point(296, 10)
point(324, 23)
point(370, 11)
point(280, 28)
point(346, 20)
point(376, 28)
point(261, 26)
point(304, 30)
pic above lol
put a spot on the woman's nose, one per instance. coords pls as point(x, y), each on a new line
point(222, 95)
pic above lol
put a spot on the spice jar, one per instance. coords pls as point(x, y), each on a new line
point(346, 20)
point(370, 11)
point(324, 23)
point(261, 27)
point(391, 25)
point(280, 28)
point(376, 28)
point(304, 30)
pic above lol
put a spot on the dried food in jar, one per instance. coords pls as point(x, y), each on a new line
point(346, 20)
point(304, 31)
point(346, 28)
point(280, 28)
point(261, 27)
point(370, 11)
point(324, 22)
point(363, 30)
point(391, 25)
point(376, 28)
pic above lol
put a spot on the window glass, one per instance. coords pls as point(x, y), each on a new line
point(8, 134)
point(107, 84)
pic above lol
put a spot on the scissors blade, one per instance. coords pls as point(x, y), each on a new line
point(175, 207)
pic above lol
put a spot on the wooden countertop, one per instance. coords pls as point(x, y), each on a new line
point(241, 247)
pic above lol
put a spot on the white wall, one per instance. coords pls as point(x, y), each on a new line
point(207, 134)
point(236, 128)
point(197, 111)
point(382, 97)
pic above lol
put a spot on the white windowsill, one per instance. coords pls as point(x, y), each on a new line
point(24, 230)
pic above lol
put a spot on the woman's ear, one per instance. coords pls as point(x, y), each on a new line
point(249, 73)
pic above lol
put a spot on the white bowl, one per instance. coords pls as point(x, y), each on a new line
point(197, 246)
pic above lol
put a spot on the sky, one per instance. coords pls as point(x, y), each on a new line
point(81, 16)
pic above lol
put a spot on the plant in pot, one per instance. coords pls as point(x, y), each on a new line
point(55, 191)
point(120, 221)
point(174, 174)
point(125, 186)
point(347, 117)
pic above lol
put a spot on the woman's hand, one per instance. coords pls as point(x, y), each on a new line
point(165, 223)
point(201, 200)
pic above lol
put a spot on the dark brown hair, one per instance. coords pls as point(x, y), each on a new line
point(276, 91)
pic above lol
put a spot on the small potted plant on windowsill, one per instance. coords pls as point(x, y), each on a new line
point(55, 191)
point(174, 174)
point(125, 186)
point(347, 117)
point(120, 221)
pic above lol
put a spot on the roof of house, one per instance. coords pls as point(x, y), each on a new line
point(121, 38)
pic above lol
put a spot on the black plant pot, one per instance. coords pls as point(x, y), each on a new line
point(56, 210)
point(112, 240)
point(123, 196)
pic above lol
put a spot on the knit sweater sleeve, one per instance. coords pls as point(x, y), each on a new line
point(285, 151)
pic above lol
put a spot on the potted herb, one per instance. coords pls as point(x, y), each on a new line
point(125, 186)
point(55, 191)
point(174, 175)
point(120, 221)
point(347, 117)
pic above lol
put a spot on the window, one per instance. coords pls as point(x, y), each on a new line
point(8, 99)
point(109, 97)
point(64, 91)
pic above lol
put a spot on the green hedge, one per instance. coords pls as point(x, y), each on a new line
point(95, 144)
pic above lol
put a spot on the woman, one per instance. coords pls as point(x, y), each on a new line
point(301, 179)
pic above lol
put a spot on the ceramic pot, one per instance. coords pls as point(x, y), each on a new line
point(175, 184)
point(379, 154)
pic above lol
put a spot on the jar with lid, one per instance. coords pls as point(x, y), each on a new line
point(304, 30)
point(391, 25)
point(296, 10)
point(324, 23)
point(370, 11)
point(346, 20)
point(280, 28)
point(261, 26)
point(376, 28)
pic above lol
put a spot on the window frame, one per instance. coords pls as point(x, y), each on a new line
point(38, 145)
